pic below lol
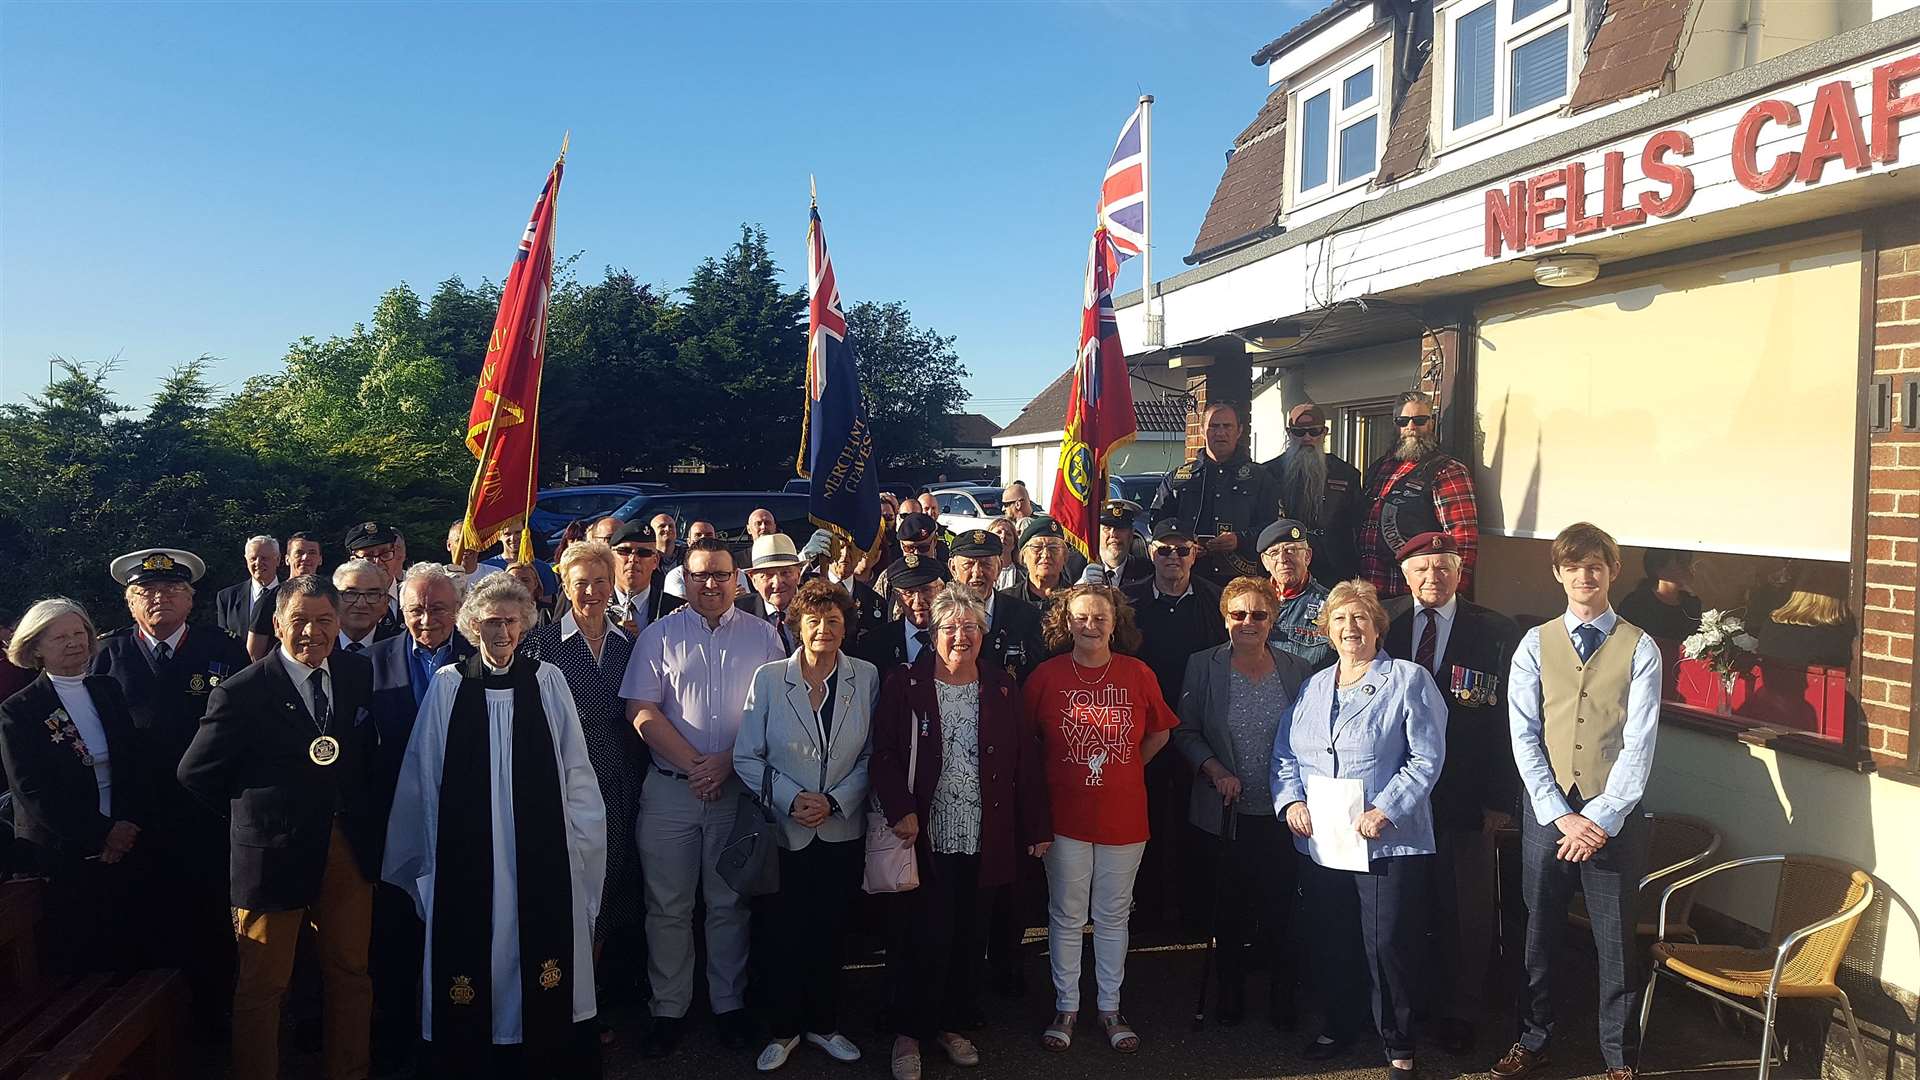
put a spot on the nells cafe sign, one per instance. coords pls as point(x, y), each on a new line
point(1568, 201)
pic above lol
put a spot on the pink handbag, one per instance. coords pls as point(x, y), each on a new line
point(891, 864)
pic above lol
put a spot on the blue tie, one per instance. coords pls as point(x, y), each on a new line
point(1586, 638)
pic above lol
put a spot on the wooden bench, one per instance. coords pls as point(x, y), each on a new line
point(87, 1028)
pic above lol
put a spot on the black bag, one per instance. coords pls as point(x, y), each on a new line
point(750, 859)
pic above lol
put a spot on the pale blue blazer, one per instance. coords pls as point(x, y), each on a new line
point(1394, 742)
point(778, 729)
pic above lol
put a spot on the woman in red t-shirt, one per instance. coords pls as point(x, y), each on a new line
point(1102, 718)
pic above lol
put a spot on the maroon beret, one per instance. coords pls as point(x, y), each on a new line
point(1427, 543)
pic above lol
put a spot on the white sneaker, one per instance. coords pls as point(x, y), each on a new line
point(838, 1046)
point(776, 1054)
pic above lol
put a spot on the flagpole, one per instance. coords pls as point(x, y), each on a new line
point(1155, 331)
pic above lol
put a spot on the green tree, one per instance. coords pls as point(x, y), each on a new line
point(607, 397)
point(911, 379)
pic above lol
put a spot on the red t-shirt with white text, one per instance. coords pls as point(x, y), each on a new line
point(1093, 723)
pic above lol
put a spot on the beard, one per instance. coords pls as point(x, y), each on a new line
point(1414, 447)
point(1303, 475)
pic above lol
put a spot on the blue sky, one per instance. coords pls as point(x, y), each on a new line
point(227, 178)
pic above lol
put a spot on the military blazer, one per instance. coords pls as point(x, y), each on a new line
point(1480, 773)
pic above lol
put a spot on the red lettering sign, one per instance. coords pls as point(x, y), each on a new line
point(1746, 147)
point(1887, 109)
point(1678, 178)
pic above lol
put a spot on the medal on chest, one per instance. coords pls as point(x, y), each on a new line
point(324, 750)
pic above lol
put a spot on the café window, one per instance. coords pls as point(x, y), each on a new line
point(1507, 61)
point(1704, 414)
point(1339, 128)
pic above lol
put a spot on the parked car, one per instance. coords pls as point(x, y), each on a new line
point(798, 486)
point(959, 507)
point(727, 510)
point(555, 508)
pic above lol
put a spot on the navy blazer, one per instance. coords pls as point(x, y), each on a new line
point(1395, 743)
point(394, 706)
point(1480, 773)
point(56, 798)
point(233, 608)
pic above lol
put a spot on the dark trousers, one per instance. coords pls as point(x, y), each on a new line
point(578, 1060)
point(1012, 908)
point(399, 948)
point(94, 918)
point(1165, 886)
point(807, 926)
point(1466, 909)
point(192, 899)
point(1258, 875)
point(1610, 881)
point(933, 950)
point(1383, 912)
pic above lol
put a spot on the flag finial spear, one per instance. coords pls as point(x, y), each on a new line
point(564, 140)
point(813, 192)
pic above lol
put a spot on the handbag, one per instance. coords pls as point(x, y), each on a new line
point(892, 866)
point(750, 859)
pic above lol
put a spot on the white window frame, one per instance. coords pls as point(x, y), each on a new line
point(1339, 117)
point(1507, 37)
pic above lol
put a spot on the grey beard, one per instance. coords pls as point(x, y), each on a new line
point(1303, 472)
point(1416, 447)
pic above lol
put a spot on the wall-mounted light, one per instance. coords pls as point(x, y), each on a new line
point(1564, 271)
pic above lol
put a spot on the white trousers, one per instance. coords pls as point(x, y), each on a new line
point(680, 839)
point(1089, 879)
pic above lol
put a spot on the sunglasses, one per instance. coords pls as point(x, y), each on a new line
point(1249, 616)
point(1307, 432)
point(633, 552)
point(1416, 421)
point(1178, 551)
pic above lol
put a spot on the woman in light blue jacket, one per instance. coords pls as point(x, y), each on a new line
point(1382, 722)
point(806, 729)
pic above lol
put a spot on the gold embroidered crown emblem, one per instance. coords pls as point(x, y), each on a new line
point(549, 974)
point(159, 560)
point(461, 992)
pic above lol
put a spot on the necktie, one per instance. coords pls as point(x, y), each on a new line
point(1586, 638)
point(356, 648)
point(923, 637)
point(779, 622)
point(316, 682)
point(1429, 641)
point(162, 653)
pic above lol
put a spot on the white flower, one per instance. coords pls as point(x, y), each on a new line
point(1691, 648)
point(1745, 642)
point(1710, 620)
point(1732, 625)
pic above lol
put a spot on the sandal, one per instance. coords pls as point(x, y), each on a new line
point(1059, 1034)
point(1120, 1035)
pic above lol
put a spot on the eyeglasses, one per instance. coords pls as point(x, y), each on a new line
point(362, 596)
point(710, 577)
point(1178, 551)
point(156, 592)
point(1307, 432)
point(1054, 547)
point(1416, 421)
point(1290, 552)
point(1249, 616)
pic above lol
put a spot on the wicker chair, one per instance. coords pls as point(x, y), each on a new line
point(1675, 844)
point(1816, 907)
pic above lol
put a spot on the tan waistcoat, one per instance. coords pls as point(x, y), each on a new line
point(1584, 706)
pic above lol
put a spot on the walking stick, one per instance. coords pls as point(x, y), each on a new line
point(1227, 832)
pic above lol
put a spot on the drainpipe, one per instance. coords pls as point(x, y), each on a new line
point(1756, 31)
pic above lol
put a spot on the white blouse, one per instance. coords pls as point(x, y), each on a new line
point(86, 719)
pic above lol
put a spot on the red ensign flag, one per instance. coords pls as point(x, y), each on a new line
point(503, 428)
point(1100, 416)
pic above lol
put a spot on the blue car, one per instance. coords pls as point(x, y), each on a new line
point(556, 508)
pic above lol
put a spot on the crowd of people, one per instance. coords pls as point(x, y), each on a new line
point(487, 786)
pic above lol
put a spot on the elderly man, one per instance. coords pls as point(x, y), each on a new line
point(916, 579)
point(363, 603)
point(1013, 640)
point(1015, 503)
point(1417, 488)
point(304, 556)
point(761, 523)
point(1296, 626)
point(919, 534)
point(1321, 491)
point(1118, 566)
point(233, 605)
point(639, 591)
point(1468, 650)
point(686, 689)
point(774, 573)
point(381, 545)
point(1226, 498)
point(1043, 562)
point(166, 667)
point(287, 751)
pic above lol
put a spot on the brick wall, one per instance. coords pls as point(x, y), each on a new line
point(1893, 502)
point(1196, 432)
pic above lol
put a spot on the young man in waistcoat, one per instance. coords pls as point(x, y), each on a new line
point(1584, 710)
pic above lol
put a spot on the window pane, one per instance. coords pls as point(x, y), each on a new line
point(1357, 88)
point(1540, 71)
point(1356, 149)
point(1313, 140)
point(1473, 65)
point(1524, 8)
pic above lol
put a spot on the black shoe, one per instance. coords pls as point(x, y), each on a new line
point(1326, 1048)
point(1452, 1036)
point(736, 1030)
point(662, 1038)
point(1231, 1008)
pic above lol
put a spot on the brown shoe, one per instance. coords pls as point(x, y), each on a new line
point(1519, 1062)
point(1627, 1073)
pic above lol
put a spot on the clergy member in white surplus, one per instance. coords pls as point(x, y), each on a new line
point(509, 878)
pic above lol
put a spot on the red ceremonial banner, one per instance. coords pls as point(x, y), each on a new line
point(503, 428)
point(1100, 416)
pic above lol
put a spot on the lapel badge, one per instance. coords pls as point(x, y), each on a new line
point(198, 682)
point(461, 992)
point(1246, 470)
point(549, 974)
point(1367, 689)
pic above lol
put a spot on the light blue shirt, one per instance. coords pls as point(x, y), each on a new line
point(1627, 782)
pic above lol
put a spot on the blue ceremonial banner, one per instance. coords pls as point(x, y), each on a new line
point(836, 440)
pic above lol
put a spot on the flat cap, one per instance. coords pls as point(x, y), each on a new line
point(1427, 543)
point(369, 534)
point(1284, 531)
point(977, 544)
point(151, 566)
point(1119, 513)
point(911, 571)
point(916, 527)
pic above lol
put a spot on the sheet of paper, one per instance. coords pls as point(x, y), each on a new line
point(1335, 804)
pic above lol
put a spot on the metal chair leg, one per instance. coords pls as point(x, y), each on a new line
point(1853, 1033)
point(1767, 1036)
point(1646, 1012)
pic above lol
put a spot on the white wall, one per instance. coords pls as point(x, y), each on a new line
point(1331, 380)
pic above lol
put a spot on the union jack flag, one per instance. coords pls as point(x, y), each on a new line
point(836, 439)
point(1123, 194)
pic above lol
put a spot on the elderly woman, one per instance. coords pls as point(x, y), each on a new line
point(591, 653)
point(958, 774)
point(1231, 703)
point(509, 880)
point(804, 736)
point(1102, 717)
point(1380, 724)
point(80, 792)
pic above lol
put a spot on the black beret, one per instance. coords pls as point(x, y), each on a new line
point(1039, 525)
point(1284, 531)
point(632, 532)
point(1171, 528)
point(916, 527)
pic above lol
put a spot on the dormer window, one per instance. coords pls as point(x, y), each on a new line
point(1339, 131)
point(1507, 61)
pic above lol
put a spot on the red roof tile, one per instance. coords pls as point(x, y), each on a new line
point(1247, 201)
point(1637, 44)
